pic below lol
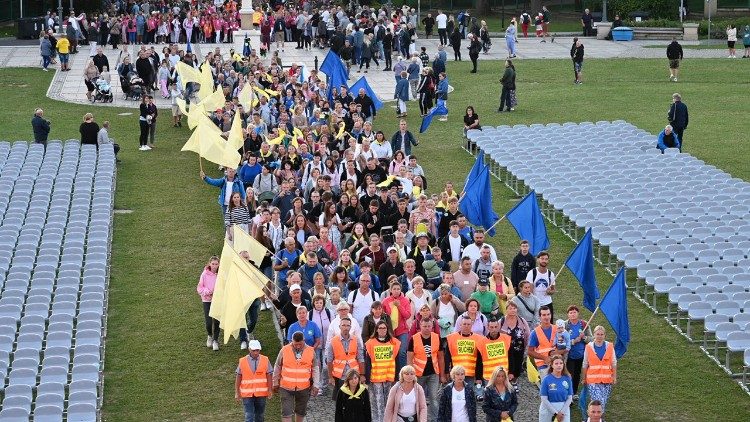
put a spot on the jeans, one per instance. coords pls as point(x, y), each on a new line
point(152, 132)
point(212, 325)
point(431, 386)
point(46, 61)
point(443, 36)
point(252, 319)
point(505, 99)
point(255, 407)
point(401, 358)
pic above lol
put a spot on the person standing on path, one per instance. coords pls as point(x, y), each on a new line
point(674, 54)
point(442, 22)
point(542, 342)
point(511, 33)
point(45, 50)
point(525, 21)
point(587, 22)
point(458, 403)
point(253, 383)
point(295, 376)
point(580, 335)
point(380, 362)
point(556, 392)
point(731, 40)
point(343, 353)
point(425, 354)
point(678, 117)
point(500, 400)
point(63, 50)
point(600, 367)
point(406, 400)
point(40, 126)
point(352, 400)
point(543, 280)
point(545, 24)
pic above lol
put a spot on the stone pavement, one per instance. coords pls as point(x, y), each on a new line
point(69, 86)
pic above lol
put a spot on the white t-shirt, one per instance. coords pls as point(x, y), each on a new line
point(541, 284)
point(441, 20)
point(455, 243)
point(361, 304)
point(446, 311)
point(458, 406)
point(408, 405)
point(228, 192)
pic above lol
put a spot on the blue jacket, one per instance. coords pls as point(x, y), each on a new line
point(402, 90)
point(410, 140)
point(660, 143)
point(438, 66)
point(445, 408)
point(413, 71)
point(494, 405)
point(237, 186)
point(441, 92)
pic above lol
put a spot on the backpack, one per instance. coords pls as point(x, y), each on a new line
point(533, 273)
point(372, 294)
point(328, 314)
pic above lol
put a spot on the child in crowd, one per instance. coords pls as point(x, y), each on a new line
point(174, 94)
point(562, 340)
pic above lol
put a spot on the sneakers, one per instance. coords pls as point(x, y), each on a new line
point(45, 69)
point(209, 341)
point(215, 346)
point(143, 148)
point(243, 345)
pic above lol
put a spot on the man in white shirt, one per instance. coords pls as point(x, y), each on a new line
point(473, 251)
point(342, 311)
point(442, 23)
point(543, 281)
point(361, 299)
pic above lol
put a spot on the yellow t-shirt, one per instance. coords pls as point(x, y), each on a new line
point(63, 46)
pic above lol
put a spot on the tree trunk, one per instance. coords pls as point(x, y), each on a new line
point(483, 7)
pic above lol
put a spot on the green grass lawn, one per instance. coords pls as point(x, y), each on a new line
point(157, 365)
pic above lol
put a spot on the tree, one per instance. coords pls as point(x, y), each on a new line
point(483, 7)
point(536, 7)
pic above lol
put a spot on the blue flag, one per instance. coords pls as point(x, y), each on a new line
point(581, 264)
point(362, 83)
point(614, 306)
point(528, 221)
point(439, 110)
point(335, 71)
point(476, 204)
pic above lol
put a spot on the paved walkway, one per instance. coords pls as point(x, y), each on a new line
point(69, 86)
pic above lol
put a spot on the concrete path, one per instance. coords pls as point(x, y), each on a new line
point(69, 86)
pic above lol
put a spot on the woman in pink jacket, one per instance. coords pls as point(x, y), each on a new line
point(205, 288)
point(406, 400)
point(398, 307)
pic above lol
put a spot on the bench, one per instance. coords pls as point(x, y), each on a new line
point(645, 33)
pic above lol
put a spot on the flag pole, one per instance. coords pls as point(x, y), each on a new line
point(588, 323)
point(200, 162)
point(460, 198)
point(496, 222)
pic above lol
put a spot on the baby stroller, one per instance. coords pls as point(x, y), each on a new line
point(103, 91)
point(132, 86)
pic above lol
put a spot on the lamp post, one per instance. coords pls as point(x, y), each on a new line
point(59, 15)
point(709, 19)
point(604, 11)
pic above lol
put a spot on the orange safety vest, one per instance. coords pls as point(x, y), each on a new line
point(296, 374)
point(420, 356)
point(254, 383)
point(383, 359)
point(599, 371)
point(494, 354)
point(342, 357)
point(464, 351)
point(546, 345)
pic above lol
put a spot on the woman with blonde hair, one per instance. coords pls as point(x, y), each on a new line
point(500, 400)
point(501, 285)
point(89, 130)
point(457, 402)
point(406, 400)
point(600, 367)
point(90, 73)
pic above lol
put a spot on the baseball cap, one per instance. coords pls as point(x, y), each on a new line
point(253, 345)
point(422, 234)
point(483, 282)
point(392, 249)
point(294, 287)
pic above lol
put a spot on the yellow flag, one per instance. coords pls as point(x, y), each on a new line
point(214, 101)
point(278, 139)
point(272, 93)
point(341, 131)
point(261, 91)
point(244, 242)
point(532, 372)
point(187, 73)
point(217, 302)
point(182, 105)
point(236, 138)
point(298, 134)
point(194, 114)
point(394, 314)
point(239, 293)
point(246, 97)
point(387, 182)
point(206, 80)
point(206, 140)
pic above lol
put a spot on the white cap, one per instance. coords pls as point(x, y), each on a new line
point(294, 287)
point(253, 345)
